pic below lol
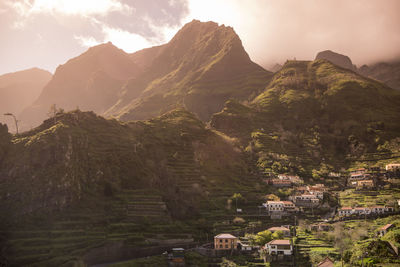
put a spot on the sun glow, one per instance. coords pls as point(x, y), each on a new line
point(70, 7)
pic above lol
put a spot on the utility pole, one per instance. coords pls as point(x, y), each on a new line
point(15, 120)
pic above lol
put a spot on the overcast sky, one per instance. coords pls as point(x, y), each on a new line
point(46, 33)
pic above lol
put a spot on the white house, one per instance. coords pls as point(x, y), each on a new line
point(274, 206)
point(279, 247)
point(392, 167)
point(361, 210)
point(345, 211)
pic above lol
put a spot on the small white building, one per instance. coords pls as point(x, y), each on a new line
point(274, 206)
point(345, 211)
point(279, 247)
point(392, 167)
point(361, 211)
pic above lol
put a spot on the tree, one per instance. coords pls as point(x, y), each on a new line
point(236, 196)
point(277, 235)
point(263, 237)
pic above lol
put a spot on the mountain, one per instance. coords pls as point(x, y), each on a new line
point(78, 182)
point(20, 89)
point(336, 58)
point(386, 72)
point(200, 68)
point(313, 117)
point(91, 81)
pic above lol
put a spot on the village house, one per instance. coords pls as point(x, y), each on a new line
point(327, 262)
point(364, 184)
point(361, 211)
point(301, 190)
point(320, 227)
point(225, 242)
point(279, 247)
point(293, 178)
point(306, 200)
point(284, 230)
point(345, 211)
point(273, 206)
point(392, 167)
point(384, 229)
point(280, 183)
point(289, 206)
point(358, 171)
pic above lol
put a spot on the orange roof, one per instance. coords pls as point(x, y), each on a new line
point(346, 208)
point(387, 226)
point(279, 242)
point(278, 229)
point(327, 262)
point(226, 236)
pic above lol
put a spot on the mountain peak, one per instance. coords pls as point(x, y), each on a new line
point(336, 58)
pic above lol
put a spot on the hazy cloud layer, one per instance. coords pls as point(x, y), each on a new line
point(272, 31)
point(46, 33)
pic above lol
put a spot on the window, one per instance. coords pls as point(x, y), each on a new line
point(220, 246)
point(220, 240)
point(226, 246)
point(226, 240)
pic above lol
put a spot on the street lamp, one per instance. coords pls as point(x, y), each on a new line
point(15, 120)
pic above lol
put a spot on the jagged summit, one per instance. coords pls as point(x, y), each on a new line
point(337, 59)
point(202, 66)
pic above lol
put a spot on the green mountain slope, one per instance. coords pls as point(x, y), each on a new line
point(200, 68)
point(80, 181)
point(313, 116)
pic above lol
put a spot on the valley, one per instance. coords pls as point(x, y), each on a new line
point(189, 153)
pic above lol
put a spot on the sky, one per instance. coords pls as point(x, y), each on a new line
point(46, 33)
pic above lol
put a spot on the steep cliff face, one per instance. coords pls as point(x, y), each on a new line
point(200, 68)
point(312, 114)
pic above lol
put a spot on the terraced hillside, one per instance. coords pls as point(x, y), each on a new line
point(313, 117)
point(80, 182)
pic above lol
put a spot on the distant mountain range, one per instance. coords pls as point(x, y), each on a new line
point(199, 69)
point(386, 72)
point(19, 90)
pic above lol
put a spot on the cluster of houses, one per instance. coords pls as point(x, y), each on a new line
point(285, 180)
point(376, 210)
point(371, 178)
point(230, 242)
point(304, 196)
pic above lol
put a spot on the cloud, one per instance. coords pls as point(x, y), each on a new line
point(68, 7)
point(273, 31)
point(47, 33)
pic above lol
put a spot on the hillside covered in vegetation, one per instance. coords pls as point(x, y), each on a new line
point(80, 181)
point(312, 118)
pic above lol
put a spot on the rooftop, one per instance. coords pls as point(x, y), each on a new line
point(226, 236)
point(327, 262)
point(387, 226)
point(278, 229)
point(279, 242)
